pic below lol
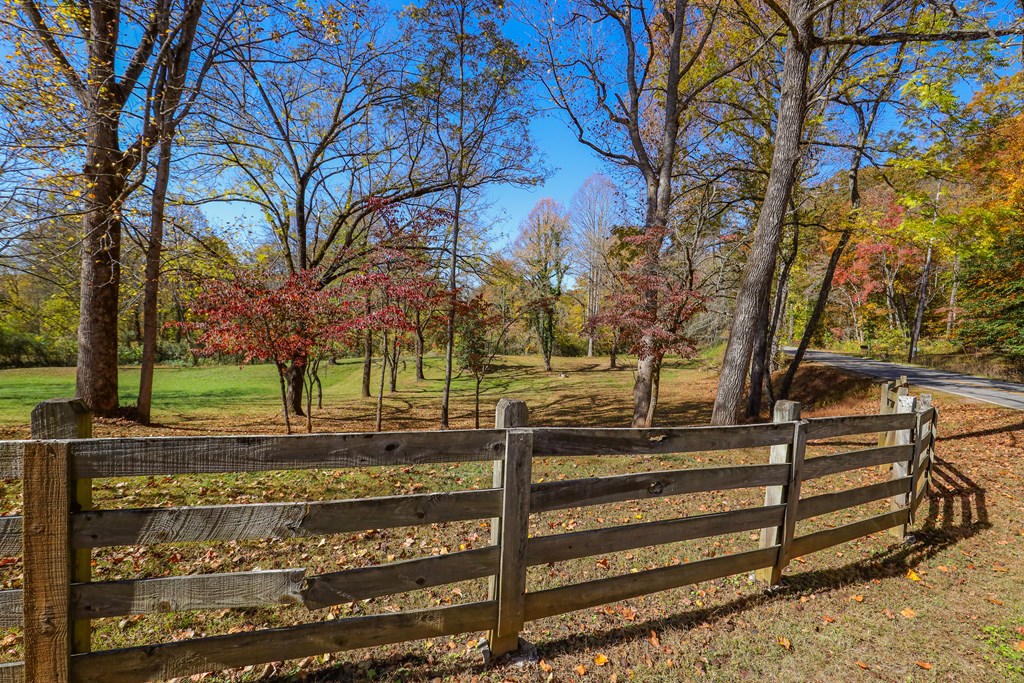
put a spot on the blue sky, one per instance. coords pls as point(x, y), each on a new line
point(570, 163)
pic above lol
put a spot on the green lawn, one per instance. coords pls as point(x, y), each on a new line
point(251, 393)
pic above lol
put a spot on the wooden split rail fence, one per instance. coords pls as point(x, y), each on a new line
point(58, 530)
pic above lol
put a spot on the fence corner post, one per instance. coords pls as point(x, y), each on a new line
point(924, 442)
point(788, 454)
point(68, 418)
point(903, 437)
point(510, 531)
point(47, 563)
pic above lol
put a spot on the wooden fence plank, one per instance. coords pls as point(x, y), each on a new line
point(515, 531)
point(97, 458)
point(560, 547)
point(840, 500)
point(47, 562)
point(557, 495)
point(579, 596)
point(10, 536)
point(12, 456)
point(11, 606)
point(68, 418)
point(399, 577)
point(183, 593)
point(923, 440)
point(188, 657)
point(819, 540)
point(792, 498)
point(827, 427)
point(144, 526)
point(771, 535)
point(625, 441)
point(905, 405)
point(508, 414)
point(12, 672)
point(824, 465)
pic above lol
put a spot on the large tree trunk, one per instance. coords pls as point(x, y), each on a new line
point(367, 363)
point(281, 373)
point(393, 376)
point(379, 423)
point(296, 378)
point(449, 351)
point(420, 343)
point(757, 276)
point(758, 360)
point(151, 295)
point(655, 390)
point(96, 378)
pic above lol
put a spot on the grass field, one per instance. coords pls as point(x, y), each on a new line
point(853, 612)
point(247, 398)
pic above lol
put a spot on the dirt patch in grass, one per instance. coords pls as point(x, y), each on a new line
point(946, 606)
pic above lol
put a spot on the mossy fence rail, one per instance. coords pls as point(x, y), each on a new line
point(58, 530)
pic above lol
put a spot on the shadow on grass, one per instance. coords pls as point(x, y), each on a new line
point(956, 510)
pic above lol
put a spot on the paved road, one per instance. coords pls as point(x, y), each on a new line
point(1006, 394)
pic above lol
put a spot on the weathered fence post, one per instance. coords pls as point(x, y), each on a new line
point(47, 563)
point(68, 418)
point(903, 437)
point(792, 454)
point(511, 530)
point(922, 430)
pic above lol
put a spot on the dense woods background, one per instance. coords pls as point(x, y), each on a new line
point(292, 183)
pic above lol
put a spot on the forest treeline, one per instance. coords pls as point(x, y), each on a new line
point(294, 182)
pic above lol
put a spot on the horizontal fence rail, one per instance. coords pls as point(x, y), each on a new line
point(59, 598)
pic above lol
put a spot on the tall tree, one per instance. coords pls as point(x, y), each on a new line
point(542, 250)
point(309, 126)
point(592, 214)
point(626, 76)
point(179, 79)
point(816, 28)
point(470, 88)
point(96, 61)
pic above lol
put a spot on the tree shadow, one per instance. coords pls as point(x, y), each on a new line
point(1016, 427)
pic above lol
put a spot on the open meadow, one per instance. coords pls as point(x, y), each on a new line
point(945, 606)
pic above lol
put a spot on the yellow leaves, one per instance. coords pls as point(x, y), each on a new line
point(784, 642)
point(857, 598)
point(581, 670)
point(924, 665)
point(653, 639)
point(600, 660)
point(862, 665)
point(912, 575)
point(908, 613)
point(545, 667)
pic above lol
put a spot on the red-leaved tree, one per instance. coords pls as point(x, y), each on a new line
point(261, 317)
point(652, 304)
